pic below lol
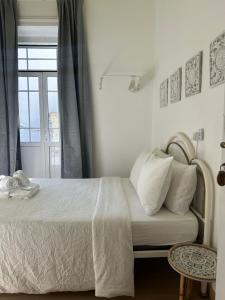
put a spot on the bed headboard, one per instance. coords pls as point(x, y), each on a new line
point(182, 149)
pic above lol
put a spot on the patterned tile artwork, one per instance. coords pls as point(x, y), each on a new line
point(193, 75)
point(175, 86)
point(217, 60)
point(164, 93)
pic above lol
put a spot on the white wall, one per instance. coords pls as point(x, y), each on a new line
point(34, 12)
point(119, 40)
point(182, 28)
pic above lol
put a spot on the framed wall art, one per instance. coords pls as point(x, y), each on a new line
point(217, 61)
point(164, 93)
point(193, 75)
point(175, 86)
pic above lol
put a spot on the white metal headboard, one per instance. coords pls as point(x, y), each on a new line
point(182, 149)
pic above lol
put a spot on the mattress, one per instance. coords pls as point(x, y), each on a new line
point(74, 200)
point(163, 228)
point(47, 241)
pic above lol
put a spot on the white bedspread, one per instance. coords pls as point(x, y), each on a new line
point(112, 241)
point(46, 241)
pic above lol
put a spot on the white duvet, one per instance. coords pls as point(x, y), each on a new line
point(47, 242)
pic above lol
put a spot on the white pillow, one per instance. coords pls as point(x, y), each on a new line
point(153, 183)
point(159, 153)
point(182, 188)
point(137, 167)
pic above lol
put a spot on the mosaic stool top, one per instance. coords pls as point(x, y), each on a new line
point(194, 261)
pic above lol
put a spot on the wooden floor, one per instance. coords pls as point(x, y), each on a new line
point(154, 280)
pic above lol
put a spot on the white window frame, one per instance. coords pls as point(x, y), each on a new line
point(36, 47)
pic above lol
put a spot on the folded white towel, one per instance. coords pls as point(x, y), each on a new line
point(8, 183)
point(25, 192)
point(21, 177)
point(18, 186)
point(21, 192)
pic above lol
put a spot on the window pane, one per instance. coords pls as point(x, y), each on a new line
point(53, 116)
point(24, 135)
point(55, 154)
point(41, 53)
point(55, 162)
point(22, 53)
point(22, 64)
point(33, 84)
point(52, 84)
point(35, 135)
point(23, 83)
point(34, 110)
point(54, 135)
point(42, 65)
point(23, 110)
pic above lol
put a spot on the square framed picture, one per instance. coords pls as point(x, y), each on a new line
point(217, 61)
point(175, 86)
point(193, 75)
point(164, 93)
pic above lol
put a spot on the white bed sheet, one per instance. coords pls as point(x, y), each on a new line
point(163, 228)
point(61, 214)
point(76, 200)
point(46, 241)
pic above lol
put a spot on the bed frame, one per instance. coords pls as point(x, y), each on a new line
point(182, 149)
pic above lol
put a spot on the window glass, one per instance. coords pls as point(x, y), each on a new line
point(22, 83)
point(35, 135)
point(54, 135)
point(22, 64)
point(52, 84)
point(22, 53)
point(34, 110)
point(42, 53)
point(42, 64)
point(38, 58)
point(53, 115)
point(33, 84)
point(23, 110)
point(24, 135)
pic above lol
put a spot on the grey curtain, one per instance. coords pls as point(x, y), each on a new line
point(9, 112)
point(74, 92)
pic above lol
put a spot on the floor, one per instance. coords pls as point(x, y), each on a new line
point(154, 280)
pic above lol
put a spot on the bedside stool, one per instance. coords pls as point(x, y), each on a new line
point(192, 262)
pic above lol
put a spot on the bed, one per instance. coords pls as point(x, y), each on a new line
point(63, 239)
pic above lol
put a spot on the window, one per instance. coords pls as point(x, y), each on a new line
point(53, 110)
point(34, 63)
point(29, 109)
point(37, 58)
point(38, 110)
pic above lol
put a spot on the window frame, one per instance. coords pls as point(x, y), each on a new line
point(33, 74)
point(36, 73)
point(25, 46)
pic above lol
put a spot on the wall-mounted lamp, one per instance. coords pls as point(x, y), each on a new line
point(135, 82)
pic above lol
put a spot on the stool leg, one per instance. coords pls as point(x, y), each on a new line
point(204, 289)
point(189, 289)
point(181, 292)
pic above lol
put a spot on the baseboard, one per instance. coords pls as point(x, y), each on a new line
point(212, 295)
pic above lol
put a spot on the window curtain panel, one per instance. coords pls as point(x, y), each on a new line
point(75, 105)
point(10, 158)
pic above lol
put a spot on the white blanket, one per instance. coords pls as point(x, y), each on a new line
point(46, 241)
point(112, 241)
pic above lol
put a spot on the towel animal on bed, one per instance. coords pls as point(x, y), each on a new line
point(18, 186)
